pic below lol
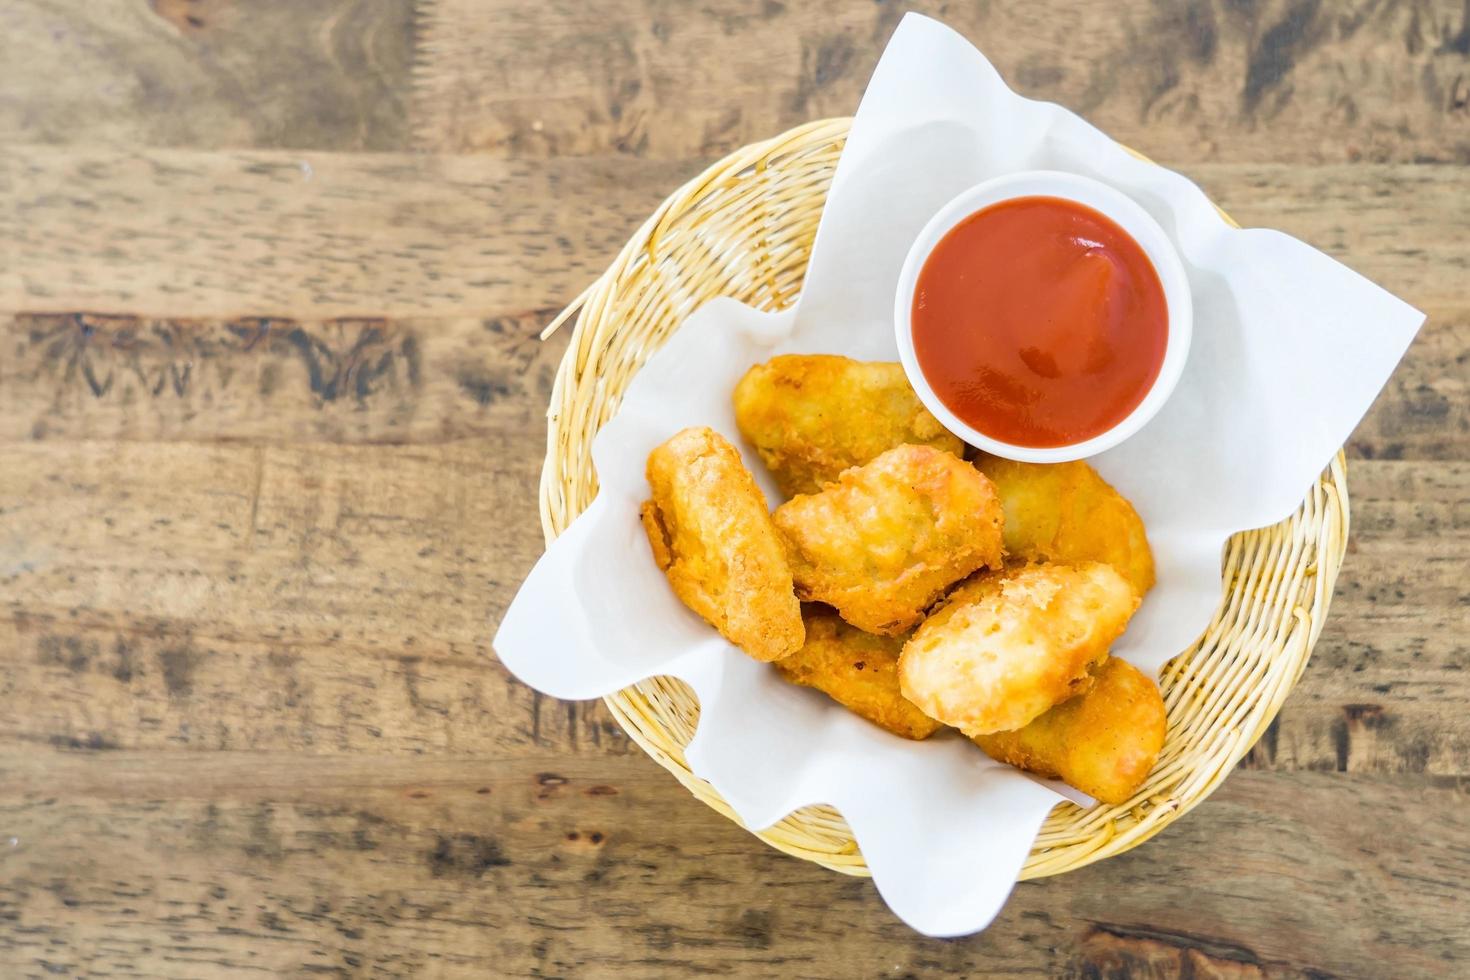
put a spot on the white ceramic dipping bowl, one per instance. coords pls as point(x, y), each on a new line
point(1129, 216)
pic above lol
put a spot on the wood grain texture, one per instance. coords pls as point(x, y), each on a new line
point(271, 426)
point(365, 610)
point(273, 378)
point(1200, 80)
point(1386, 688)
point(425, 379)
point(331, 74)
point(203, 234)
point(1424, 410)
point(163, 690)
point(192, 233)
point(547, 865)
point(292, 544)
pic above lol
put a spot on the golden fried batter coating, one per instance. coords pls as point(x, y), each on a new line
point(857, 670)
point(1006, 646)
point(1065, 512)
point(1104, 742)
point(883, 542)
point(811, 416)
point(711, 534)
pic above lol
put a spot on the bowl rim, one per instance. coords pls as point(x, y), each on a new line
point(1112, 203)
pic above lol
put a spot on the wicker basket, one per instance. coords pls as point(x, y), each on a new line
point(744, 229)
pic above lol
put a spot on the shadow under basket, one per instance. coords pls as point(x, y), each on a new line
point(744, 229)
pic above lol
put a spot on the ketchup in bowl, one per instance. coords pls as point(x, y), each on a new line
point(1039, 322)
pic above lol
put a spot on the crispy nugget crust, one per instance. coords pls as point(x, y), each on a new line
point(857, 670)
point(1006, 646)
point(885, 540)
point(711, 534)
point(811, 416)
point(1065, 512)
point(1105, 742)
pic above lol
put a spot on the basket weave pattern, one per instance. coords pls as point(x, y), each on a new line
point(744, 229)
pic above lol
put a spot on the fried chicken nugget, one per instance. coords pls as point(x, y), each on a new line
point(1065, 512)
point(885, 540)
point(1006, 646)
point(811, 416)
point(857, 670)
point(712, 535)
point(1104, 742)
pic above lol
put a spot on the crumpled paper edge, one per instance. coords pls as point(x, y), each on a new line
point(943, 877)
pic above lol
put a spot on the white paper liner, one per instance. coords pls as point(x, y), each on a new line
point(1289, 350)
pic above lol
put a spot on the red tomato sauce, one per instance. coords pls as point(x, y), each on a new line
point(1039, 322)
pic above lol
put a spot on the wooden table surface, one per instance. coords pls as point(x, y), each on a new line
point(271, 422)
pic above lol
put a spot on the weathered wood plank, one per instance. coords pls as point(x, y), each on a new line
point(165, 690)
point(1398, 225)
point(1206, 80)
point(316, 235)
point(1424, 410)
point(275, 379)
point(386, 547)
point(333, 74)
point(362, 585)
point(540, 864)
point(178, 233)
point(427, 380)
point(1387, 685)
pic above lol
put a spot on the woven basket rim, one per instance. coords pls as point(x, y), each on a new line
point(654, 713)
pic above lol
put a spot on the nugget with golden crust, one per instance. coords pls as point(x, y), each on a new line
point(883, 542)
point(712, 535)
point(1006, 646)
point(857, 670)
point(1065, 512)
point(1104, 742)
point(811, 416)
